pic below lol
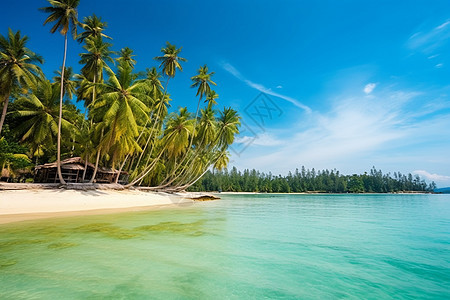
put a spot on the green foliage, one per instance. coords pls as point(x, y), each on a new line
point(127, 125)
point(310, 181)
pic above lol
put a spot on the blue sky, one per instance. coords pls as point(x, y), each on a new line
point(350, 84)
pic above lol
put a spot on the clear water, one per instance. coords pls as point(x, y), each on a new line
point(241, 247)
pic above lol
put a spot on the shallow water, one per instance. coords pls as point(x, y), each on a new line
point(240, 247)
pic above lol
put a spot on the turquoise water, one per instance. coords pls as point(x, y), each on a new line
point(240, 247)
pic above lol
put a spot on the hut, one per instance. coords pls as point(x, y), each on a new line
point(72, 170)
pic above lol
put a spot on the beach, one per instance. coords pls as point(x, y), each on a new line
point(28, 204)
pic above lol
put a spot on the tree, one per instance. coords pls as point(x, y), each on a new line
point(95, 60)
point(69, 85)
point(126, 56)
point(120, 105)
point(202, 82)
point(38, 112)
point(170, 62)
point(64, 13)
point(93, 27)
point(18, 67)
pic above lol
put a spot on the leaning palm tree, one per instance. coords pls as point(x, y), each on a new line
point(174, 142)
point(93, 27)
point(64, 13)
point(18, 67)
point(228, 127)
point(170, 62)
point(201, 81)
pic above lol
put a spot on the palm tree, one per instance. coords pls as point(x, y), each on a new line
point(64, 13)
point(93, 27)
point(201, 81)
point(38, 112)
point(18, 67)
point(160, 104)
point(175, 140)
point(95, 61)
point(170, 62)
point(211, 99)
point(69, 84)
point(126, 55)
point(229, 122)
point(228, 127)
point(120, 105)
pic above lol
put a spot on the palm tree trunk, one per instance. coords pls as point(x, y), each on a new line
point(154, 125)
point(148, 169)
point(120, 169)
point(192, 182)
point(58, 158)
point(85, 168)
point(5, 109)
point(192, 137)
point(96, 162)
point(96, 167)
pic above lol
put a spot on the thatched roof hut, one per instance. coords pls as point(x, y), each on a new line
point(72, 170)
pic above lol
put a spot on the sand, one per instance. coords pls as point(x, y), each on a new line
point(19, 205)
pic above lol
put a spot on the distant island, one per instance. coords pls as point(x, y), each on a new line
point(305, 180)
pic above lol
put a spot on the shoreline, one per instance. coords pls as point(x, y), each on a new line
point(30, 204)
point(316, 193)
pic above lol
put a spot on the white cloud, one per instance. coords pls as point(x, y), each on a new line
point(432, 177)
point(357, 133)
point(233, 71)
point(263, 139)
point(429, 40)
point(369, 88)
point(439, 66)
point(442, 26)
point(279, 86)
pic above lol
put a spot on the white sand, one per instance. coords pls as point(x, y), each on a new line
point(18, 205)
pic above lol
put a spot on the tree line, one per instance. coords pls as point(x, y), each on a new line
point(306, 180)
point(126, 125)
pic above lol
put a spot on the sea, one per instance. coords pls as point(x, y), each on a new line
point(262, 246)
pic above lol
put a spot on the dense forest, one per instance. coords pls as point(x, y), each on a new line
point(125, 124)
point(306, 180)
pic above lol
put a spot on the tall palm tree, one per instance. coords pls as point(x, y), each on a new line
point(160, 104)
point(18, 67)
point(64, 13)
point(93, 27)
point(202, 82)
point(120, 105)
point(95, 60)
point(170, 62)
point(126, 55)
